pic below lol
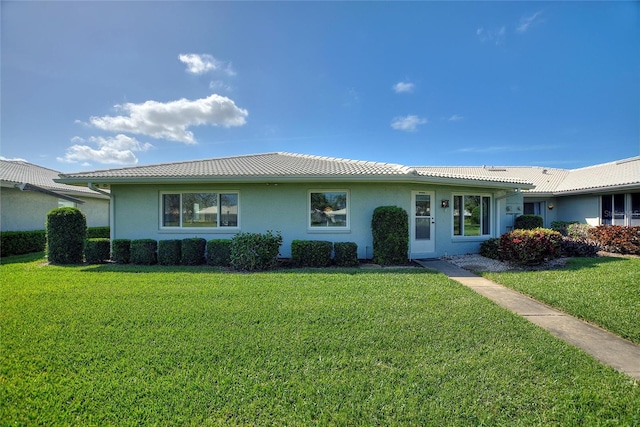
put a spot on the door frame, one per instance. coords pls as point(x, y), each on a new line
point(420, 247)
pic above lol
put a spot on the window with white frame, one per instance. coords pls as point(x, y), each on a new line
point(620, 209)
point(471, 215)
point(328, 208)
point(201, 210)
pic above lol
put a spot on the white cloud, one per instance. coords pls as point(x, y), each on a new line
point(16, 159)
point(455, 118)
point(171, 120)
point(219, 85)
point(403, 87)
point(407, 123)
point(204, 63)
point(493, 36)
point(528, 21)
point(111, 150)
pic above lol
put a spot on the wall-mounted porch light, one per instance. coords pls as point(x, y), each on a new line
point(550, 206)
point(444, 203)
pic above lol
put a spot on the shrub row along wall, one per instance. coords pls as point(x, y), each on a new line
point(317, 253)
point(190, 251)
point(26, 242)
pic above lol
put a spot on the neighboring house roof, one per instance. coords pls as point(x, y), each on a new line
point(621, 174)
point(27, 176)
point(278, 167)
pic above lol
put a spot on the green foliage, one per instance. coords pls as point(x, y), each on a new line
point(97, 250)
point(617, 238)
point(311, 253)
point(578, 231)
point(390, 228)
point(530, 247)
point(255, 251)
point(169, 252)
point(219, 252)
point(22, 242)
point(98, 232)
point(121, 251)
point(562, 226)
point(491, 248)
point(66, 235)
point(144, 251)
point(193, 251)
point(345, 254)
point(579, 247)
point(528, 222)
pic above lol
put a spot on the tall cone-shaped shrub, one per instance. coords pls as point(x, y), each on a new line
point(66, 235)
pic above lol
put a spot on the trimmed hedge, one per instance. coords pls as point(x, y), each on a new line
point(97, 250)
point(144, 251)
point(121, 251)
point(562, 226)
point(528, 222)
point(617, 238)
point(66, 235)
point(255, 251)
point(491, 248)
point(98, 232)
point(345, 254)
point(530, 247)
point(579, 247)
point(390, 228)
point(169, 252)
point(218, 252)
point(22, 242)
point(193, 251)
point(311, 253)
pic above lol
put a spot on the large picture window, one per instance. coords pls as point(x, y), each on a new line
point(620, 209)
point(328, 209)
point(202, 210)
point(471, 215)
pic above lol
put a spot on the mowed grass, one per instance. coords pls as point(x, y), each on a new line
point(124, 345)
point(604, 291)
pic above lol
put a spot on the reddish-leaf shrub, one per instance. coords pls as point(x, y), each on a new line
point(530, 247)
point(617, 238)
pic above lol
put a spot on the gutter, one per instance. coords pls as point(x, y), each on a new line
point(30, 187)
point(92, 186)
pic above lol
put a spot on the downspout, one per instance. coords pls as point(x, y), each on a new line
point(112, 202)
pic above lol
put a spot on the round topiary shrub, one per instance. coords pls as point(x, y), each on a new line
point(66, 235)
point(528, 222)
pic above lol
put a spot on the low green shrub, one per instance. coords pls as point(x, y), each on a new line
point(562, 226)
point(311, 253)
point(390, 229)
point(218, 252)
point(528, 222)
point(490, 248)
point(98, 232)
point(66, 235)
point(530, 247)
point(97, 250)
point(22, 242)
point(121, 251)
point(617, 238)
point(255, 251)
point(579, 247)
point(193, 251)
point(169, 252)
point(345, 254)
point(144, 251)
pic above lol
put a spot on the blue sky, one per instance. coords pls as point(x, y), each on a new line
point(95, 85)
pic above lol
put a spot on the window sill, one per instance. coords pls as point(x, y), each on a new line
point(328, 230)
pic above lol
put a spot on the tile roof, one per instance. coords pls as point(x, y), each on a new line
point(271, 165)
point(19, 172)
point(517, 175)
point(624, 172)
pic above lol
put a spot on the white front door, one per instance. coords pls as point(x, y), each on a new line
point(422, 224)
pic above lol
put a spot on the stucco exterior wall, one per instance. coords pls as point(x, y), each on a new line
point(27, 210)
point(585, 209)
point(283, 207)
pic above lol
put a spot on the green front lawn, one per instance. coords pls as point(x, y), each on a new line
point(604, 291)
point(126, 345)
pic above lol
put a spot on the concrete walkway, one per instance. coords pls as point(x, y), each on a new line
point(608, 348)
